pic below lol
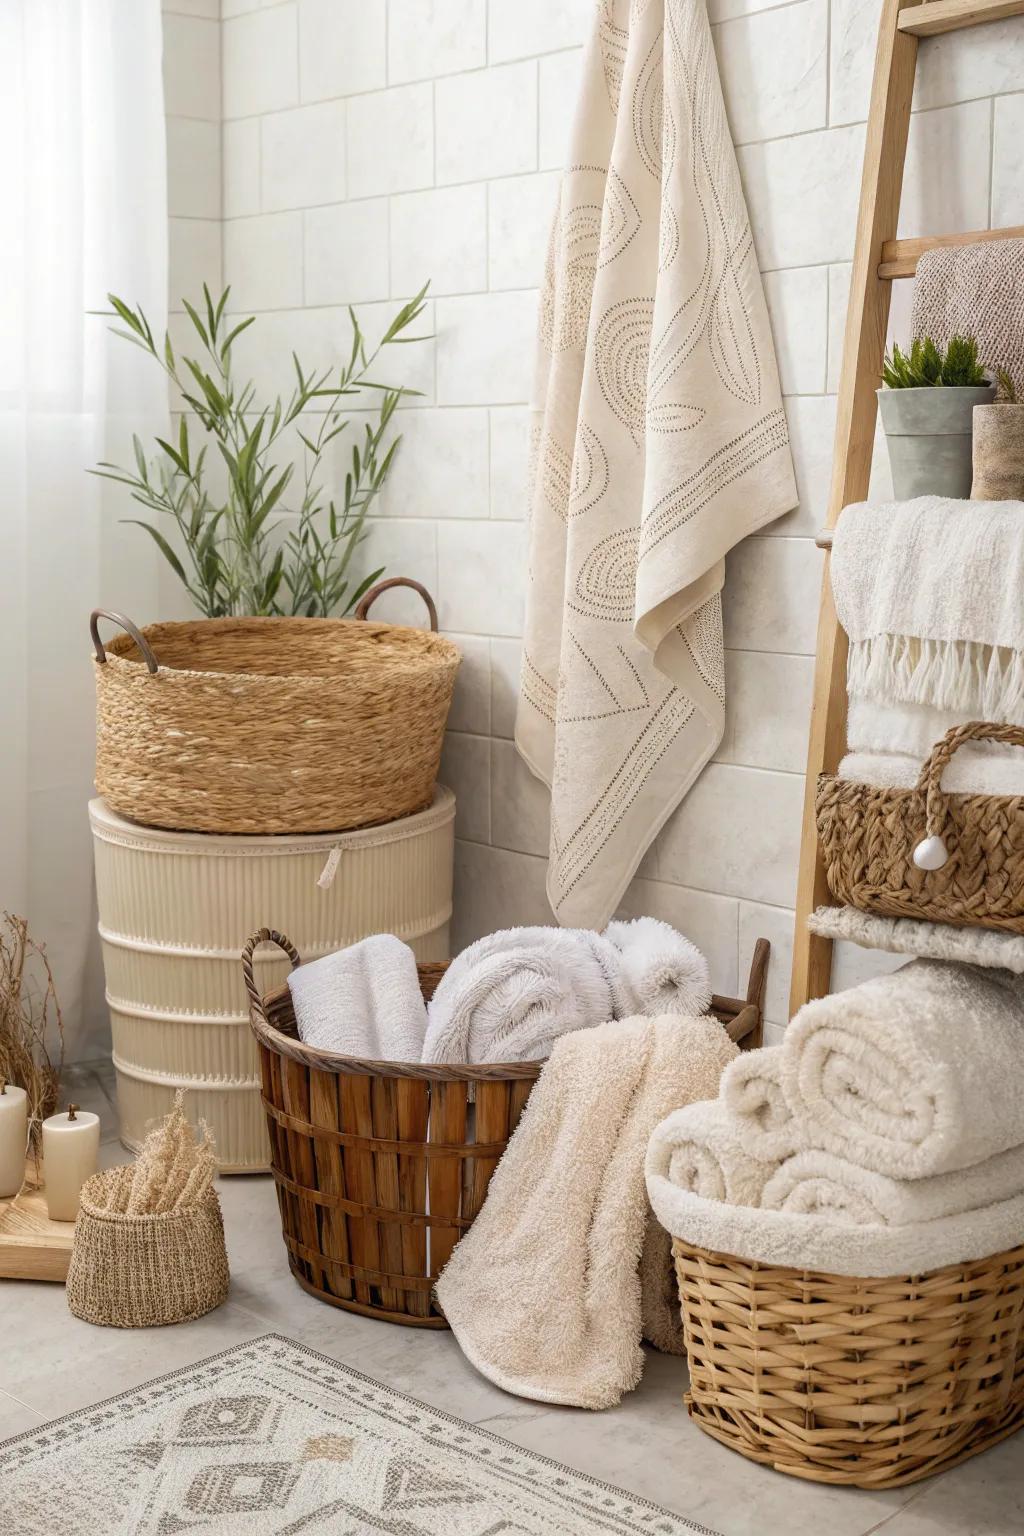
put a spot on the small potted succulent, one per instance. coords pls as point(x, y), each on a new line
point(999, 445)
point(927, 405)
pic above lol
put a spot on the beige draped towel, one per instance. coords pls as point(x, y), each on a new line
point(659, 442)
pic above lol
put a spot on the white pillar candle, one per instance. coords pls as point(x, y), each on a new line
point(13, 1138)
point(71, 1145)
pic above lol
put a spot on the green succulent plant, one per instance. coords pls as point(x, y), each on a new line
point(927, 366)
point(224, 545)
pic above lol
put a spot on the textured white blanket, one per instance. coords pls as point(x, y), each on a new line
point(362, 1001)
point(921, 590)
point(660, 442)
point(913, 1073)
point(915, 936)
point(543, 1293)
point(970, 773)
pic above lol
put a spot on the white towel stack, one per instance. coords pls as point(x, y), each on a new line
point(885, 1135)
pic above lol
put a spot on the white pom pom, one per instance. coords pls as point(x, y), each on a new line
point(931, 853)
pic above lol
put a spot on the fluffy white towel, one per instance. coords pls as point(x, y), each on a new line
point(912, 1073)
point(969, 773)
point(664, 971)
point(920, 589)
point(707, 1156)
point(811, 1242)
point(752, 1092)
point(915, 936)
point(543, 1293)
point(814, 1183)
point(911, 730)
point(362, 1001)
point(510, 995)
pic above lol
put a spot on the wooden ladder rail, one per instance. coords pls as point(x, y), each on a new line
point(879, 257)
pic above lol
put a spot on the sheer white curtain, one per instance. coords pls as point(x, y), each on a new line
point(83, 211)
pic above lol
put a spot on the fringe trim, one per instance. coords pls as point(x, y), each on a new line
point(982, 681)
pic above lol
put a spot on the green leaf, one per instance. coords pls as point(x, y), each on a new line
point(193, 316)
point(162, 545)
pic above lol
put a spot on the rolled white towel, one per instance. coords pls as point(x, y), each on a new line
point(705, 1154)
point(814, 1183)
point(362, 1001)
point(913, 1073)
point(510, 995)
point(752, 1090)
point(666, 973)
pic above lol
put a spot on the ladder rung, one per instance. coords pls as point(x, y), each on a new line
point(900, 257)
point(936, 16)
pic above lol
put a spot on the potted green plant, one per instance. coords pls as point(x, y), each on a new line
point(219, 537)
point(999, 445)
point(926, 406)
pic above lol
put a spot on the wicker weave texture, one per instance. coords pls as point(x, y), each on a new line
point(272, 725)
point(144, 1271)
point(868, 836)
point(871, 1383)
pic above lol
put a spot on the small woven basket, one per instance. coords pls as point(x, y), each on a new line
point(869, 837)
point(271, 725)
point(869, 1383)
point(143, 1271)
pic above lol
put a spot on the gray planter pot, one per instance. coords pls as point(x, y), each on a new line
point(998, 453)
point(929, 436)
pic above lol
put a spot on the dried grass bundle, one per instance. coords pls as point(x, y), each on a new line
point(31, 1025)
point(173, 1171)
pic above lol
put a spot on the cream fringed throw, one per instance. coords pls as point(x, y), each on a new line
point(660, 442)
point(543, 1293)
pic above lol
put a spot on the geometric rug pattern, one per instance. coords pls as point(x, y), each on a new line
point(271, 1437)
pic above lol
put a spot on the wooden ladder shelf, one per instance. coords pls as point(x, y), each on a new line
point(879, 257)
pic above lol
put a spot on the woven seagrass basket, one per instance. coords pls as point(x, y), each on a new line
point(381, 1166)
point(144, 1271)
point(869, 837)
point(868, 1383)
point(255, 725)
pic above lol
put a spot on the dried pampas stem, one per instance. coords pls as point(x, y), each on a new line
point(31, 1025)
point(173, 1171)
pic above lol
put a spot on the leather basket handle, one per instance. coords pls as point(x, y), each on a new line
point(129, 628)
point(264, 936)
point(397, 581)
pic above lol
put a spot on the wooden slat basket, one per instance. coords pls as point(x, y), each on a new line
point(381, 1166)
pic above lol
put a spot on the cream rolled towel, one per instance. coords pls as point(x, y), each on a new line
point(362, 1001)
point(814, 1183)
point(705, 1154)
point(543, 1293)
point(752, 1092)
point(913, 1073)
point(665, 972)
point(509, 996)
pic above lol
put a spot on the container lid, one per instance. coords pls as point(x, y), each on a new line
point(112, 828)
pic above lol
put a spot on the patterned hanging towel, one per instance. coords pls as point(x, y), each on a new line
point(659, 441)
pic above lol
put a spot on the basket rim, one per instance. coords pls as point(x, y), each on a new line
point(435, 651)
point(428, 1071)
point(104, 1176)
point(766, 1269)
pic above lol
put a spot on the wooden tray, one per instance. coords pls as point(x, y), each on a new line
point(32, 1247)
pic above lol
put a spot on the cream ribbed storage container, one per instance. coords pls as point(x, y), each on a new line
point(175, 909)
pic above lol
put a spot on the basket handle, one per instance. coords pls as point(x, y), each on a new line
point(931, 853)
point(125, 624)
point(397, 581)
point(264, 936)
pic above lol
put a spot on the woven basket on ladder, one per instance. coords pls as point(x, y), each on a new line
point(271, 725)
point(974, 867)
point(382, 1165)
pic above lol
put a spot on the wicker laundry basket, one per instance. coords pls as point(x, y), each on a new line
point(175, 909)
point(381, 1166)
point(868, 837)
point(869, 1383)
point(144, 1271)
point(271, 725)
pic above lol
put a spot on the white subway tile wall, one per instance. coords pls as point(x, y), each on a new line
point(347, 150)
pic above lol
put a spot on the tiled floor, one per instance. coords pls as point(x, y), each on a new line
point(50, 1364)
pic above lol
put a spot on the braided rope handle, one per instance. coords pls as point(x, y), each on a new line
point(398, 581)
point(264, 936)
point(930, 782)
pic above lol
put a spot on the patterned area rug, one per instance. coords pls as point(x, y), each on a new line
point(273, 1437)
